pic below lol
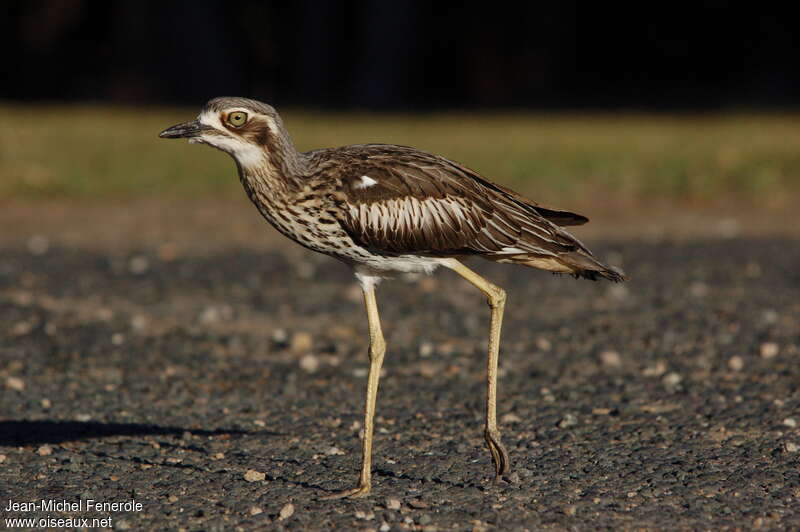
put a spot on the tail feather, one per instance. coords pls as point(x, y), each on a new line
point(612, 273)
point(586, 266)
point(557, 250)
point(576, 263)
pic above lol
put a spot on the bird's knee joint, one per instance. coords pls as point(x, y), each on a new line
point(496, 297)
point(377, 348)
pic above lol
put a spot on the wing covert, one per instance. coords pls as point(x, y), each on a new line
point(418, 203)
point(402, 211)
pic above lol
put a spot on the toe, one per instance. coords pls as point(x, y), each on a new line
point(500, 458)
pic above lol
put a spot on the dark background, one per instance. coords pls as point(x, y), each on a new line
point(380, 54)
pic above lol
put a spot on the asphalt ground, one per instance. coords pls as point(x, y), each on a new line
point(222, 389)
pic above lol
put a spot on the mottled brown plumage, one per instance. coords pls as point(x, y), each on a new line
point(385, 209)
point(426, 205)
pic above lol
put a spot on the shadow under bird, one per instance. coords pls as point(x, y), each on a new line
point(385, 209)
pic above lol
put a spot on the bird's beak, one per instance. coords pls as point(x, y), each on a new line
point(187, 130)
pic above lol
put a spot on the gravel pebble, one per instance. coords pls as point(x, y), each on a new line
point(510, 418)
point(698, 289)
point(656, 370)
point(736, 363)
point(672, 379)
point(543, 343)
point(610, 359)
point(209, 316)
point(769, 350)
point(21, 328)
point(254, 476)
point(138, 265)
point(392, 504)
point(139, 322)
point(44, 450)
point(15, 383)
point(426, 349)
point(280, 336)
point(301, 342)
point(309, 363)
point(286, 512)
point(770, 316)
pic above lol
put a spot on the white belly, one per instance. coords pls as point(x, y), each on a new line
point(385, 266)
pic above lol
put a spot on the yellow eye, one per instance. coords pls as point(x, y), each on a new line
point(237, 119)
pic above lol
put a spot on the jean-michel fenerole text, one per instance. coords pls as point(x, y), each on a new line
point(81, 505)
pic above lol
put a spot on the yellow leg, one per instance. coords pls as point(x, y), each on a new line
point(377, 348)
point(496, 297)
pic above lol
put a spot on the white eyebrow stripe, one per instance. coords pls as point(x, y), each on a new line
point(366, 181)
point(248, 155)
point(212, 118)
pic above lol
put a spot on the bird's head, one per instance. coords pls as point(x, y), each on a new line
point(246, 129)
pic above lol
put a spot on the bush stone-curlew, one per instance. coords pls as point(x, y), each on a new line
point(385, 209)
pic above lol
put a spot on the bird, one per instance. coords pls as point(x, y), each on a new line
point(385, 210)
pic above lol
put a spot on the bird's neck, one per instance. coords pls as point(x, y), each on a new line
point(279, 168)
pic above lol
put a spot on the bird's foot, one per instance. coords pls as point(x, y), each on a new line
point(362, 490)
point(500, 458)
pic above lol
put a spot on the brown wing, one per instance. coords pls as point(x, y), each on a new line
point(557, 216)
point(400, 200)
